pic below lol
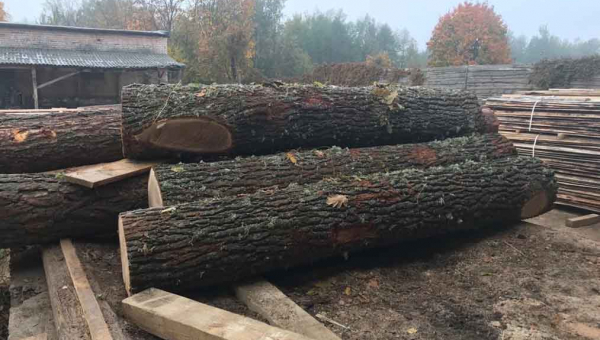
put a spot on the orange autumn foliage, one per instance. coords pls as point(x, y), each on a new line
point(3, 14)
point(470, 34)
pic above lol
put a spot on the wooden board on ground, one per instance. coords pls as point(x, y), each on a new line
point(267, 300)
point(91, 310)
point(174, 317)
point(102, 174)
point(582, 221)
point(68, 315)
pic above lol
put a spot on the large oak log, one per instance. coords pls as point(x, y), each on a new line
point(41, 208)
point(220, 240)
point(44, 140)
point(166, 120)
point(171, 185)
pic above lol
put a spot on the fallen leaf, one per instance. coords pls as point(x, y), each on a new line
point(201, 94)
point(318, 84)
point(337, 201)
point(390, 99)
point(319, 154)
point(19, 136)
point(412, 331)
point(348, 291)
point(170, 210)
point(311, 292)
point(292, 158)
point(177, 169)
point(373, 283)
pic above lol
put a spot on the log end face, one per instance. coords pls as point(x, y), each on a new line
point(538, 205)
point(124, 257)
point(155, 199)
point(193, 135)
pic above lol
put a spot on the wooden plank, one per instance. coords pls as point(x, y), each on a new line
point(35, 88)
point(106, 173)
point(41, 86)
point(268, 301)
point(66, 309)
point(91, 310)
point(583, 221)
point(174, 317)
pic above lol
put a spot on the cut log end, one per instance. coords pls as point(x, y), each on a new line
point(124, 257)
point(194, 135)
point(155, 199)
point(538, 205)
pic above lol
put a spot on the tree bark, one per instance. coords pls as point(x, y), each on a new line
point(178, 184)
point(41, 208)
point(165, 120)
point(50, 140)
point(221, 240)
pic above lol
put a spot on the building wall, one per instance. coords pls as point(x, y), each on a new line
point(87, 41)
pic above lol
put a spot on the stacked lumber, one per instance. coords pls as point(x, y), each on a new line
point(483, 80)
point(564, 133)
point(274, 176)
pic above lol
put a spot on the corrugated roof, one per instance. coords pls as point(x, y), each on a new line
point(83, 29)
point(84, 59)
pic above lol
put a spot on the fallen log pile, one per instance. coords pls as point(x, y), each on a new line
point(288, 175)
point(561, 127)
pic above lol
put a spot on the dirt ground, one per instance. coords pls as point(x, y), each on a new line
point(529, 281)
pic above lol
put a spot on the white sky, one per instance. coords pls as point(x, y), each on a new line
point(566, 18)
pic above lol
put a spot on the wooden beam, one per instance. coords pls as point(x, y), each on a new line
point(35, 88)
point(583, 221)
point(68, 315)
point(91, 310)
point(41, 86)
point(174, 317)
point(102, 174)
point(271, 303)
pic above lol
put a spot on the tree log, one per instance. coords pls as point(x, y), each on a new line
point(41, 208)
point(166, 120)
point(171, 185)
point(39, 141)
point(221, 240)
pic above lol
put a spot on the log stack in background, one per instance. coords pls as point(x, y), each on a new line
point(565, 133)
point(43, 140)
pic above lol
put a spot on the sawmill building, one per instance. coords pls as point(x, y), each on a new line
point(55, 66)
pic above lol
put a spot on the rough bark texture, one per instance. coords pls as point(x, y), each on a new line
point(186, 183)
point(40, 208)
point(49, 140)
point(166, 120)
point(222, 240)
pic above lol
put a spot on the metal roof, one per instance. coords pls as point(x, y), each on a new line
point(83, 29)
point(85, 59)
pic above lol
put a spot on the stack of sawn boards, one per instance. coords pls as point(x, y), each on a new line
point(335, 170)
point(564, 133)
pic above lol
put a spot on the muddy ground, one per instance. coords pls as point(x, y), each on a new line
point(523, 282)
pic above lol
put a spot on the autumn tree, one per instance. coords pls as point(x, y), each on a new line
point(470, 34)
point(3, 14)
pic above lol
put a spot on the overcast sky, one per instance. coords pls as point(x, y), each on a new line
point(566, 18)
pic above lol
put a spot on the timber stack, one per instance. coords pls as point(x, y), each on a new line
point(561, 127)
point(215, 184)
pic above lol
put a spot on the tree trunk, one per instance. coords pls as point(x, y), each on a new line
point(171, 185)
point(221, 240)
point(40, 208)
point(165, 120)
point(40, 141)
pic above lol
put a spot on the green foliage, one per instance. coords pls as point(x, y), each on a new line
point(544, 45)
point(559, 73)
